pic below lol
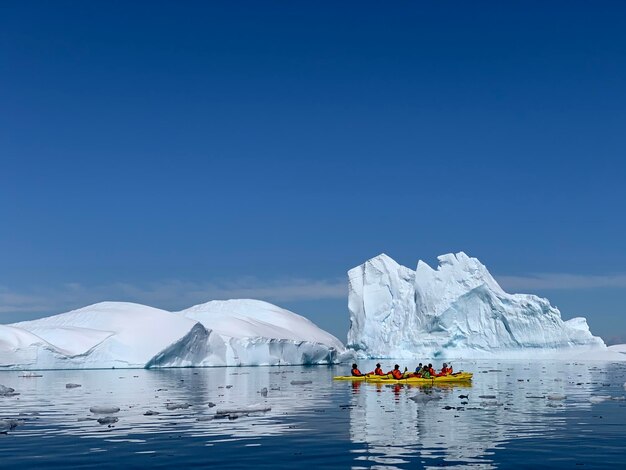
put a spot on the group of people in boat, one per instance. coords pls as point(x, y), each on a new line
point(423, 371)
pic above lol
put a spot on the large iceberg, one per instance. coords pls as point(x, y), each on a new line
point(456, 310)
point(128, 335)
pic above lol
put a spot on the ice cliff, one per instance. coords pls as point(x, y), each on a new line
point(456, 310)
point(128, 335)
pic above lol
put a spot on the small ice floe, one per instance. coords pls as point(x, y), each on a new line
point(424, 398)
point(7, 391)
point(462, 397)
point(624, 384)
point(618, 398)
point(205, 418)
point(599, 398)
point(177, 406)
point(264, 392)
point(30, 375)
point(151, 413)
point(7, 425)
point(301, 382)
point(72, 385)
point(487, 397)
point(229, 386)
point(491, 403)
point(104, 410)
point(108, 420)
point(240, 412)
point(556, 397)
point(211, 404)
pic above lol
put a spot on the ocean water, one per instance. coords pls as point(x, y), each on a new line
point(517, 415)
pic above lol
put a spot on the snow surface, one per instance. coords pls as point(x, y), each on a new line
point(457, 310)
point(129, 335)
point(256, 332)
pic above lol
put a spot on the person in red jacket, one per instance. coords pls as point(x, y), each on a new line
point(395, 373)
point(445, 370)
point(431, 370)
point(355, 371)
point(377, 371)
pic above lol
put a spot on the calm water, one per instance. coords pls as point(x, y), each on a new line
point(519, 421)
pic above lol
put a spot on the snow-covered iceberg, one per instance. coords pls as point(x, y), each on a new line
point(128, 335)
point(256, 332)
point(456, 310)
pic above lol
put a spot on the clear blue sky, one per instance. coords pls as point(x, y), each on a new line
point(169, 152)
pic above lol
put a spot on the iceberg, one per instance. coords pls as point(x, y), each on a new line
point(129, 335)
point(256, 332)
point(456, 310)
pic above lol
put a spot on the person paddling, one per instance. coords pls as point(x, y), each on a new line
point(395, 373)
point(355, 371)
point(445, 370)
point(377, 371)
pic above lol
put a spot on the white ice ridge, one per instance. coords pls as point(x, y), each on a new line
point(456, 310)
point(128, 335)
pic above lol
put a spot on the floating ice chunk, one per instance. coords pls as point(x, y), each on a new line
point(104, 410)
point(599, 398)
point(6, 391)
point(30, 375)
point(239, 412)
point(556, 397)
point(177, 406)
point(9, 424)
point(151, 413)
point(108, 420)
point(264, 392)
point(205, 418)
point(70, 385)
point(301, 382)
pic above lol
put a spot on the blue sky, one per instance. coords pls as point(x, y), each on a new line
point(173, 153)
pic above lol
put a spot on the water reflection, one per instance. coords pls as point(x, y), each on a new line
point(47, 407)
point(504, 402)
point(366, 425)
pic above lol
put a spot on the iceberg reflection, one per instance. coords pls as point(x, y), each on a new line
point(506, 402)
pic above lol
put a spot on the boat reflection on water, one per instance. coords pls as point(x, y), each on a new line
point(464, 423)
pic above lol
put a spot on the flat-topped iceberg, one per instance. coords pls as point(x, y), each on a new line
point(128, 335)
point(456, 310)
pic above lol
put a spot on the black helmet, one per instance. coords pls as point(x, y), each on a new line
point(354, 366)
point(396, 366)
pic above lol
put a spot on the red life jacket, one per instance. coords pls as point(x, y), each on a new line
point(432, 371)
point(444, 371)
point(356, 372)
point(378, 371)
point(396, 374)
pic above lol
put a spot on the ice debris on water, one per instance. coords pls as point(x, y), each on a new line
point(104, 410)
point(9, 424)
point(240, 412)
point(599, 398)
point(301, 382)
point(70, 385)
point(108, 420)
point(177, 406)
point(7, 391)
point(29, 375)
point(151, 413)
point(264, 392)
point(556, 397)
